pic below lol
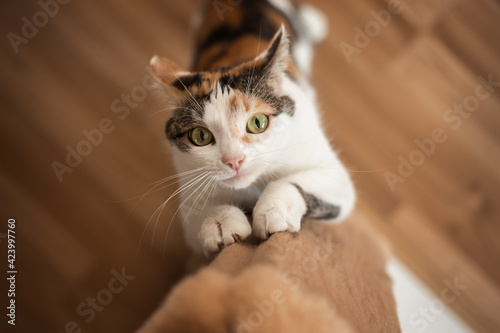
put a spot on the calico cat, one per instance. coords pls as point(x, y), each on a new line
point(245, 130)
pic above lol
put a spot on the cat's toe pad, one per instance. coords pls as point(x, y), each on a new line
point(224, 227)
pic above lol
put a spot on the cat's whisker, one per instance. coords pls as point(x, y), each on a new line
point(180, 174)
point(193, 181)
point(255, 60)
point(193, 99)
point(211, 179)
point(185, 187)
point(169, 108)
point(369, 171)
point(161, 210)
point(180, 206)
point(213, 187)
point(154, 189)
point(181, 189)
point(159, 111)
point(160, 186)
point(182, 108)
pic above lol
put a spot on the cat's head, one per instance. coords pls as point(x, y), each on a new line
point(234, 121)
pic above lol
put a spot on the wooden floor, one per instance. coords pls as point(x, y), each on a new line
point(442, 219)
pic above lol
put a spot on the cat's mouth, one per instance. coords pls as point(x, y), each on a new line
point(240, 180)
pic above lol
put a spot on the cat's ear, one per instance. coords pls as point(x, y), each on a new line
point(276, 58)
point(166, 71)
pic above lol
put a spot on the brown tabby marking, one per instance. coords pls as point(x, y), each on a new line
point(240, 35)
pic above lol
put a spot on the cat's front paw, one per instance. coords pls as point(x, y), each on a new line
point(280, 208)
point(226, 225)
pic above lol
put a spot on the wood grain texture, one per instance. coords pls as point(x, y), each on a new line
point(442, 221)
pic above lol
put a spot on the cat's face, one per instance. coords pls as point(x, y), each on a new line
point(235, 122)
point(237, 135)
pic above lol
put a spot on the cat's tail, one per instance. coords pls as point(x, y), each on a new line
point(312, 28)
point(314, 21)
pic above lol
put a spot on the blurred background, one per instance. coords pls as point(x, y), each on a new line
point(410, 98)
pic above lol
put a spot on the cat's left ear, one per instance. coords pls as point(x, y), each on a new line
point(276, 58)
point(166, 71)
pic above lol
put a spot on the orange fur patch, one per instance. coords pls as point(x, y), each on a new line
point(231, 18)
point(222, 55)
point(245, 47)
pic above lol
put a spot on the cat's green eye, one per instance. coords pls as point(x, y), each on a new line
point(200, 136)
point(258, 124)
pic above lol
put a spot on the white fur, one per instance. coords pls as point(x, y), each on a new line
point(279, 208)
point(221, 226)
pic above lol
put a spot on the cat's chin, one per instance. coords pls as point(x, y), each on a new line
point(240, 181)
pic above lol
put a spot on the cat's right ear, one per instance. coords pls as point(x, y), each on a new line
point(166, 71)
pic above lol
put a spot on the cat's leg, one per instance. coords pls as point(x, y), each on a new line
point(321, 194)
point(222, 226)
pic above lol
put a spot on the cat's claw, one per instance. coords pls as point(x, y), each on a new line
point(226, 225)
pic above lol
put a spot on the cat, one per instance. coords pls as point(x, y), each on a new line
point(245, 131)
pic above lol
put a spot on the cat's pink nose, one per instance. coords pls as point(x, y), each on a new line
point(234, 162)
